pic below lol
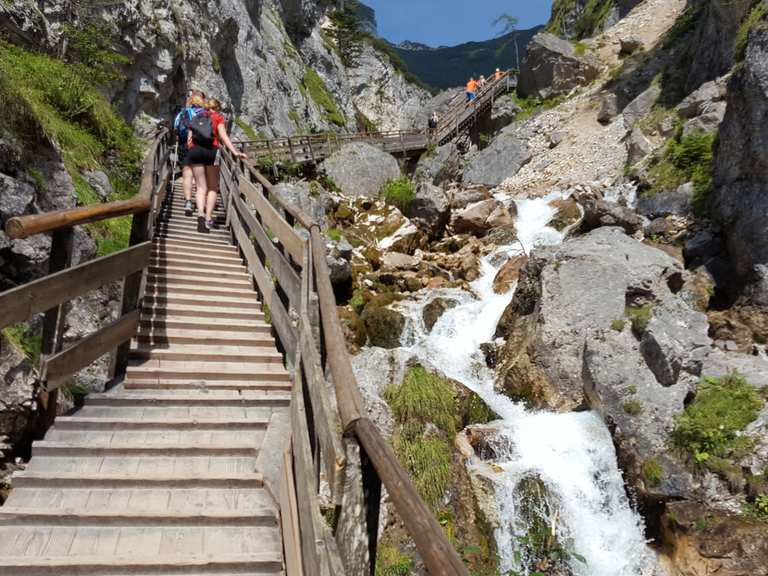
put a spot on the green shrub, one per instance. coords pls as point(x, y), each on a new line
point(618, 324)
point(711, 425)
point(652, 472)
point(357, 301)
point(531, 106)
point(334, 234)
point(580, 48)
point(399, 193)
point(686, 159)
point(639, 316)
point(318, 91)
point(389, 51)
point(90, 47)
point(392, 562)
point(758, 15)
point(347, 33)
point(247, 129)
point(588, 21)
point(632, 407)
point(684, 24)
point(24, 340)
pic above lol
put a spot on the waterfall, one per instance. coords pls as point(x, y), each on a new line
point(568, 457)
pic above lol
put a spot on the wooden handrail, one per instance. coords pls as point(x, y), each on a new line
point(25, 226)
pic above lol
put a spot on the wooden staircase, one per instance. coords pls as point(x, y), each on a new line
point(159, 475)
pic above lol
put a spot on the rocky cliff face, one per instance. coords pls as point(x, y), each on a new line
point(253, 55)
point(583, 18)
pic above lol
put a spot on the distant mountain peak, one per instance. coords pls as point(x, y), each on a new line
point(408, 45)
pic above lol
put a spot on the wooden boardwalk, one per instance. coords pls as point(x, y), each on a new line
point(161, 474)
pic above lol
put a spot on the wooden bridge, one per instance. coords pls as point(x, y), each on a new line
point(233, 403)
point(456, 121)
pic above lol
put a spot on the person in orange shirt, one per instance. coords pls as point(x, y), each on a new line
point(497, 76)
point(471, 89)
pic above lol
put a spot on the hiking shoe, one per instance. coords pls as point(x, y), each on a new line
point(201, 227)
point(209, 225)
point(188, 208)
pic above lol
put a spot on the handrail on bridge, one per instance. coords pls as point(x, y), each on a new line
point(332, 434)
point(64, 282)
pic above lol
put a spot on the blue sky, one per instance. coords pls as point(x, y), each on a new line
point(449, 22)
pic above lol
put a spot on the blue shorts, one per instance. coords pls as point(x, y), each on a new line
point(470, 96)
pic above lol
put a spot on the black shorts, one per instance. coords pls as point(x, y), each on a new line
point(183, 154)
point(199, 156)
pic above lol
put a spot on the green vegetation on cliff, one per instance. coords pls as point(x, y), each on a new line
point(48, 100)
point(319, 92)
point(757, 17)
point(587, 22)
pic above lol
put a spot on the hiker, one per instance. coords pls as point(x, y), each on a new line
point(193, 106)
point(206, 134)
point(497, 76)
point(481, 83)
point(433, 122)
point(471, 89)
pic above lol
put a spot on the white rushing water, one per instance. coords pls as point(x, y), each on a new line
point(571, 453)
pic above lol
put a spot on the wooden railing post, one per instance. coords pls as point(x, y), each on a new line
point(55, 318)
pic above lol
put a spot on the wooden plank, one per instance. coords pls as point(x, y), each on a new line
point(273, 221)
point(435, 550)
point(61, 366)
point(327, 423)
point(286, 276)
point(289, 516)
point(306, 496)
point(283, 325)
point(351, 532)
point(20, 303)
point(252, 262)
point(349, 401)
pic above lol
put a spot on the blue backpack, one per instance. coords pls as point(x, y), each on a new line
point(183, 120)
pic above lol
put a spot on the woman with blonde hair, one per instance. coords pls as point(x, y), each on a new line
point(204, 158)
point(194, 104)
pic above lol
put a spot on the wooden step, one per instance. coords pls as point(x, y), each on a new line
point(129, 563)
point(60, 479)
point(82, 423)
point(194, 246)
point(202, 300)
point(140, 382)
point(189, 269)
point(162, 322)
point(206, 372)
point(162, 288)
point(171, 279)
point(73, 450)
point(143, 466)
point(160, 253)
point(149, 518)
point(198, 263)
point(191, 229)
point(162, 337)
point(184, 236)
point(211, 398)
point(232, 354)
point(154, 310)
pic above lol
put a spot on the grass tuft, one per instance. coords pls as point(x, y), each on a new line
point(319, 92)
point(756, 17)
point(639, 317)
point(24, 340)
point(399, 193)
point(652, 472)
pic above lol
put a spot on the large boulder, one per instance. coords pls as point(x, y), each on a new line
point(360, 169)
point(310, 198)
point(599, 212)
point(553, 68)
point(499, 161)
point(741, 161)
point(598, 321)
point(430, 209)
point(479, 218)
point(440, 166)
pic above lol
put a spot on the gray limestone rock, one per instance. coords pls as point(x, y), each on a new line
point(499, 161)
point(481, 217)
point(100, 183)
point(360, 169)
point(638, 146)
point(641, 105)
point(598, 213)
point(553, 68)
point(441, 166)
point(430, 209)
point(311, 199)
point(669, 202)
point(740, 200)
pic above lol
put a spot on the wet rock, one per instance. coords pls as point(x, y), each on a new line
point(397, 261)
point(383, 325)
point(430, 209)
point(706, 540)
point(502, 159)
point(441, 166)
point(553, 68)
point(479, 218)
point(567, 213)
point(464, 197)
point(435, 309)
point(508, 274)
point(360, 169)
point(310, 198)
point(598, 213)
point(406, 239)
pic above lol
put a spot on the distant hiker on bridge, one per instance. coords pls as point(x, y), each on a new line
point(471, 89)
point(433, 122)
point(194, 105)
point(497, 76)
point(207, 132)
point(481, 83)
